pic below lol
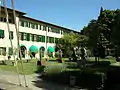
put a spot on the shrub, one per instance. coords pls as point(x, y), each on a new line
point(54, 68)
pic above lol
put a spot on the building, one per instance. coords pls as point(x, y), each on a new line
point(33, 35)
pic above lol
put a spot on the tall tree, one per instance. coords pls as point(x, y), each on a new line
point(106, 27)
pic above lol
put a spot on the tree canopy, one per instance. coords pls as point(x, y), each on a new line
point(104, 30)
point(69, 41)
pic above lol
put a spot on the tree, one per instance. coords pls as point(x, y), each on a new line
point(69, 41)
point(104, 30)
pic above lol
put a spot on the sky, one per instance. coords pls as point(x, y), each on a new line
point(73, 14)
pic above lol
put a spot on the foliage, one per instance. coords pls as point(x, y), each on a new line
point(104, 30)
point(69, 41)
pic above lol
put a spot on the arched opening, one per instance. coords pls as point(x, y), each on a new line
point(23, 50)
point(50, 51)
point(33, 50)
point(42, 50)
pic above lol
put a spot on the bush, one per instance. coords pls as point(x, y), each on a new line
point(54, 68)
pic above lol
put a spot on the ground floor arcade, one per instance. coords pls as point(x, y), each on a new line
point(26, 52)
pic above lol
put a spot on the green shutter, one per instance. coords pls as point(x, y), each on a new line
point(1, 33)
point(40, 38)
point(32, 37)
point(37, 38)
point(47, 39)
point(28, 37)
point(11, 35)
point(40, 27)
point(52, 41)
point(29, 24)
point(36, 26)
point(43, 38)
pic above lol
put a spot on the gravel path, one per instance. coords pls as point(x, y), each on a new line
point(9, 81)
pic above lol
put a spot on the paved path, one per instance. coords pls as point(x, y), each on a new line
point(9, 81)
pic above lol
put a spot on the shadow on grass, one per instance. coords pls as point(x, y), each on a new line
point(89, 78)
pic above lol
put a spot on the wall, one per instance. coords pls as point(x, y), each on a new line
point(6, 41)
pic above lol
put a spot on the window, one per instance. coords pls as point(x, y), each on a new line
point(2, 51)
point(11, 35)
point(22, 23)
point(10, 51)
point(1, 33)
point(56, 40)
point(10, 20)
point(25, 23)
point(36, 26)
point(44, 28)
point(28, 37)
point(43, 39)
point(61, 32)
point(38, 38)
point(51, 40)
point(5, 20)
point(49, 29)
point(32, 25)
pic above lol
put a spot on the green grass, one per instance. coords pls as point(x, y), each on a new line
point(29, 68)
point(56, 58)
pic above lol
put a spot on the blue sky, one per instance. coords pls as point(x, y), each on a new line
point(74, 14)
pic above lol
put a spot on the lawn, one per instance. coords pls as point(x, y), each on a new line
point(29, 68)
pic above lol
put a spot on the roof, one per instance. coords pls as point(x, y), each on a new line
point(26, 17)
point(22, 13)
